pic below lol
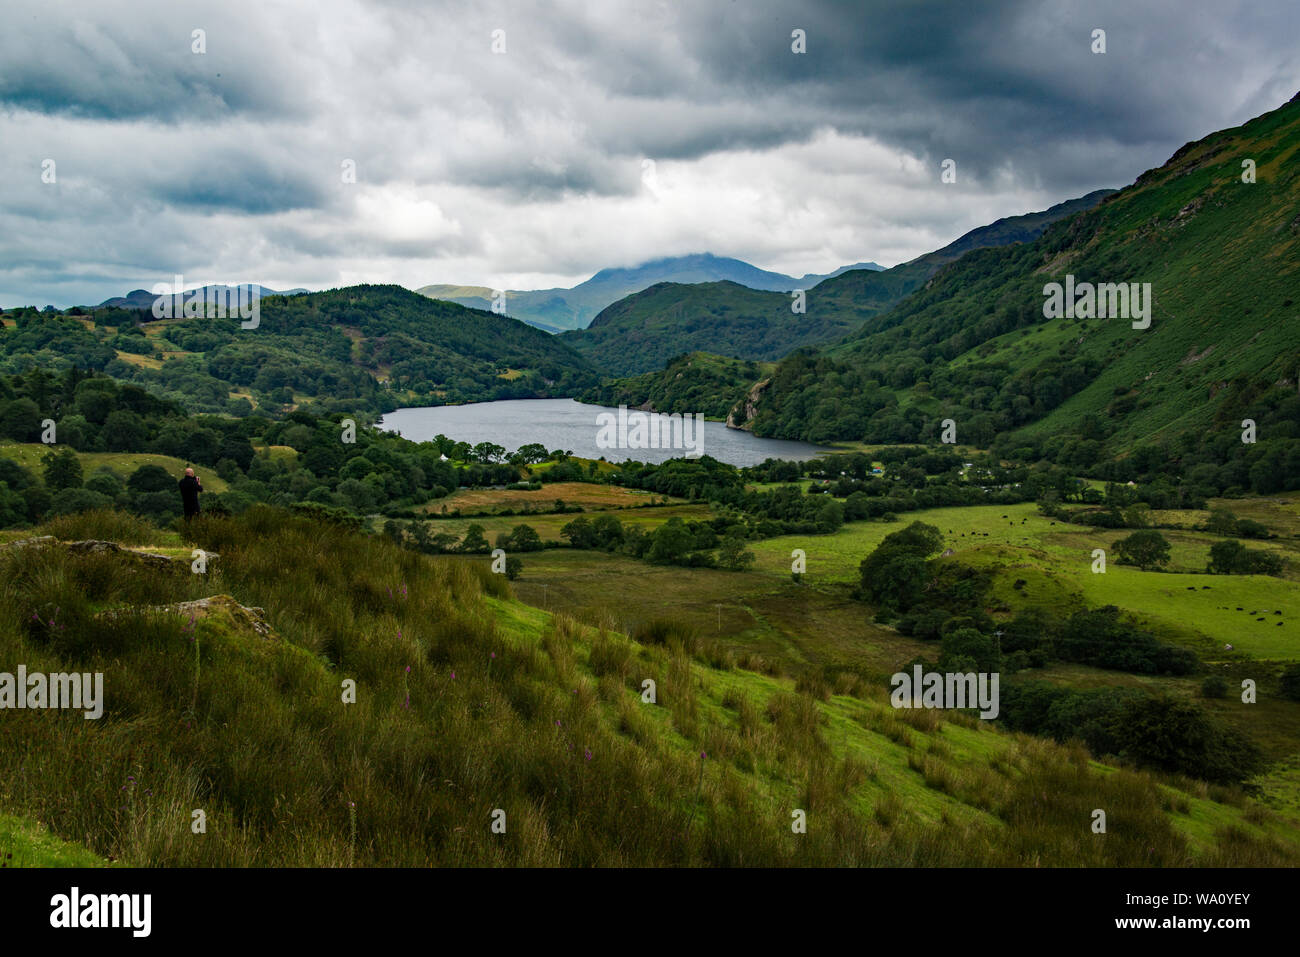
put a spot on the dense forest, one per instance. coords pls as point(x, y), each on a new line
point(363, 350)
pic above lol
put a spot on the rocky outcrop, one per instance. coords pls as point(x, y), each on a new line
point(250, 618)
point(98, 547)
point(742, 415)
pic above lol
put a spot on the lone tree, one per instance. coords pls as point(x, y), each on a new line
point(62, 470)
point(732, 554)
point(1145, 549)
point(895, 575)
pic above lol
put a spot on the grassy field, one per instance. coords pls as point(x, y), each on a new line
point(548, 526)
point(475, 501)
point(1055, 560)
point(786, 625)
point(31, 455)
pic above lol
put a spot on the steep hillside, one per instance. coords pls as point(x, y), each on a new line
point(639, 333)
point(359, 349)
point(327, 699)
point(642, 332)
point(697, 382)
point(558, 309)
point(1223, 263)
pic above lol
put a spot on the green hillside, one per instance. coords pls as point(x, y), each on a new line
point(1222, 259)
point(359, 349)
point(227, 693)
point(640, 333)
point(698, 382)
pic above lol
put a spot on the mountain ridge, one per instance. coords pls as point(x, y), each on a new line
point(560, 309)
point(640, 332)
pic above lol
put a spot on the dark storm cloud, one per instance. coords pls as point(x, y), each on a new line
point(116, 60)
point(471, 165)
point(240, 184)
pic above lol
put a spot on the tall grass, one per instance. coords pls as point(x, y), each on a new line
point(502, 708)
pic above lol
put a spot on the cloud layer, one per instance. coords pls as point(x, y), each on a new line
point(604, 135)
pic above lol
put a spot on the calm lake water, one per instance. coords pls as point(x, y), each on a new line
point(570, 425)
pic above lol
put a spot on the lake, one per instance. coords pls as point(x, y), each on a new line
point(572, 426)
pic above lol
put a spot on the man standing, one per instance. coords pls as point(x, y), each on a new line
point(190, 489)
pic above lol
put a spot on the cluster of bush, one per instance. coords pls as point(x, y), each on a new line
point(1169, 734)
point(944, 602)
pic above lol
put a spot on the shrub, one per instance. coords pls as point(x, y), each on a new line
point(1214, 687)
point(104, 524)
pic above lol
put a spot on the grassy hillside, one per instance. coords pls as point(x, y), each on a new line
point(363, 348)
point(25, 843)
point(697, 382)
point(32, 456)
point(640, 333)
point(1222, 261)
point(469, 702)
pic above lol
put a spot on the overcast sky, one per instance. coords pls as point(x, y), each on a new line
point(605, 134)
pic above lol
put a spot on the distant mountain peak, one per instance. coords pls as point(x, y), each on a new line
point(559, 309)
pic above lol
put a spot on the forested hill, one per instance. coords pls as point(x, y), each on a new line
point(1222, 256)
point(640, 333)
point(361, 348)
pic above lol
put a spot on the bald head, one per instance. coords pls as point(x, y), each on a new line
point(190, 472)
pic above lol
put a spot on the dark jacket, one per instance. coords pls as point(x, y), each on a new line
point(190, 489)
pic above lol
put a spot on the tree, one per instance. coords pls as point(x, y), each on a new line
point(732, 554)
point(62, 470)
point(894, 576)
point(513, 567)
point(969, 645)
point(1230, 557)
point(151, 478)
point(488, 452)
point(580, 533)
point(474, 542)
point(237, 449)
point(522, 538)
point(1225, 557)
point(20, 420)
point(123, 431)
point(1178, 736)
point(830, 517)
point(670, 543)
point(608, 531)
point(1145, 549)
point(1221, 522)
point(530, 454)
